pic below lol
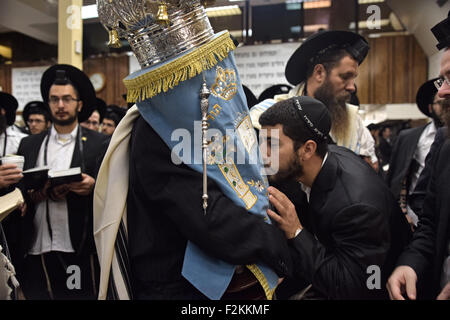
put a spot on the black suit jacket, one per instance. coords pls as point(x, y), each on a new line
point(427, 250)
point(164, 211)
point(402, 154)
point(80, 208)
point(355, 223)
point(420, 191)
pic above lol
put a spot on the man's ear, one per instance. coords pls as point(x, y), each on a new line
point(309, 148)
point(3, 111)
point(319, 73)
point(80, 106)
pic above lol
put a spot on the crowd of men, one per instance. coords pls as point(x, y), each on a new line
point(140, 224)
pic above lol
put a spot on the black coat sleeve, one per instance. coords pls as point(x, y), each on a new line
point(227, 231)
point(360, 238)
point(420, 252)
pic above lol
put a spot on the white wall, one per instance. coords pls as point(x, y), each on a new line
point(418, 17)
point(434, 63)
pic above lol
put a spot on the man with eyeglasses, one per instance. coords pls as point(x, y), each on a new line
point(36, 115)
point(411, 148)
point(57, 228)
point(423, 269)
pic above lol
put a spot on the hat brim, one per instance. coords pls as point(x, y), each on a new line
point(424, 94)
point(10, 104)
point(272, 91)
point(81, 82)
point(34, 105)
point(298, 63)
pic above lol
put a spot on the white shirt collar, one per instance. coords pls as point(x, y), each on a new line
point(307, 189)
point(63, 138)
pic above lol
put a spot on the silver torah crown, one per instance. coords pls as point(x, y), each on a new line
point(152, 41)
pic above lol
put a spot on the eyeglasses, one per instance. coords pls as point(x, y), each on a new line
point(37, 121)
point(440, 82)
point(65, 99)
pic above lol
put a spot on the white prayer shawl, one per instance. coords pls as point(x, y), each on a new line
point(356, 138)
point(110, 228)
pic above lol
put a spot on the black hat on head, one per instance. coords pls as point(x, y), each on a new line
point(318, 44)
point(251, 98)
point(35, 107)
point(100, 106)
point(425, 96)
point(10, 104)
point(129, 104)
point(115, 113)
point(272, 91)
point(79, 80)
point(441, 32)
point(314, 114)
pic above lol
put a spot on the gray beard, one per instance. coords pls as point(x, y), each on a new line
point(446, 114)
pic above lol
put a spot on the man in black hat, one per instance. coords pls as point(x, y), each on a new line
point(36, 115)
point(424, 267)
point(411, 148)
point(111, 119)
point(325, 67)
point(273, 91)
point(350, 226)
point(95, 119)
point(59, 219)
point(10, 136)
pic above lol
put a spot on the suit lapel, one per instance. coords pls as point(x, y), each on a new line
point(33, 152)
point(77, 160)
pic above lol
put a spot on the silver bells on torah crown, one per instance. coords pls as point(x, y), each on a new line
point(156, 30)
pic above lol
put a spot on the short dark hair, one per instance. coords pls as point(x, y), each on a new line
point(112, 116)
point(329, 59)
point(284, 113)
point(65, 82)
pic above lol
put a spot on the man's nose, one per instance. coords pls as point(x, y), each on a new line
point(351, 86)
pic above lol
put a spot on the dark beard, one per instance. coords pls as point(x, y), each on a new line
point(67, 122)
point(293, 173)
point(337, 108)
point(3, 124)
point(446, 113)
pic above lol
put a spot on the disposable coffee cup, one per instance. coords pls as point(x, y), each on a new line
point(18, 160)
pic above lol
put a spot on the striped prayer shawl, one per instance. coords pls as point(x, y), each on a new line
point(110, 214)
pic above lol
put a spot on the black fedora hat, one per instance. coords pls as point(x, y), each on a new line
point(129, 104)
point(78, 78)
point(33, 107)
point(100, 106)
point(251, 98)
point(319, 43)
point(10, 104)
point(272, 91)
point(425, 96)
point(114, 113)
point(441, 32)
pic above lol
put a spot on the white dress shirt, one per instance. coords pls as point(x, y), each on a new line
point(13, 138)
point(423, 147)
point(59, 157)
